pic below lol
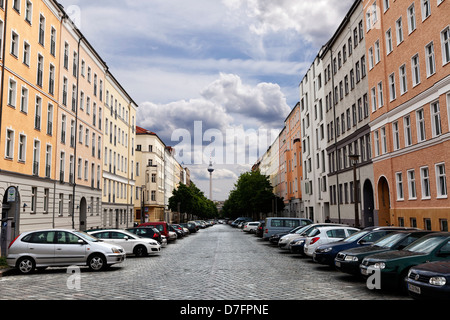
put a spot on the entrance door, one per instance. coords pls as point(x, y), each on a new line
point(384, 204)
point(368, 204)
point(83, 215)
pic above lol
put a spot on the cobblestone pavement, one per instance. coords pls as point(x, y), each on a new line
point(217, 263)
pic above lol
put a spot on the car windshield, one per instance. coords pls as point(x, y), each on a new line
point(355, 236)
point(425, 245)
point(390, 240)
point(302, 229)
point(86, 236)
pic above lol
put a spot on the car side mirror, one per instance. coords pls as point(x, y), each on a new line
point(126, 238)
point(81, 241)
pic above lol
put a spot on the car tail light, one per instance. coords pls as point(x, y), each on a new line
point(13, 241)
point(314, 240)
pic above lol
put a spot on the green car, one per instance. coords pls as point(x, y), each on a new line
point(394, 265)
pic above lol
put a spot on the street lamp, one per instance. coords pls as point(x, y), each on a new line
point(354, 161)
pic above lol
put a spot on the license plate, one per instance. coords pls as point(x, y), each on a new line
point(337, 263)
point(413, 288)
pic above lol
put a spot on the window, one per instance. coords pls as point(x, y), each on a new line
point(383, 141)
point(36, 157)
point(51, 80)
point(48, 161)
point(53, 42)
point(445, 40)
point(412, 194)
point(396, 135)
point(26, 53)
point(386, 4)
point(420, 125)
point(399, 181)
point(74, 98)
point(403, 80)
point(33, 203)
point(28, 11)
point(407, 125)
point(66, 56)
point(41, 29)
point(436, 119)
point(425, 182)
point(371, 59)
point(50, 119)
point(64, 93)
point(389, 46)
point(75, 64)
point(374, 99)
point(12, 91)
point(392, 94)
point(14, 44)
point(24, 100)
point(377, 52)
point(16, 5)
point(40, 71)
point(429, 55)
point(9, 148)
point(426, 9)
point(380, 94)
point(441, 181)
point(411, 18)
point(377, 143)
point(415, 67)
point(21, 157)
point(399, 29)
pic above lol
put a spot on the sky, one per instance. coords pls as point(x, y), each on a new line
point(213, 78)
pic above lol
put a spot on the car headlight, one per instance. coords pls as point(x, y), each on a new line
point(351, 258)
point(379, 265)
point(115, 250)
point(327, 249)
point(437, 281)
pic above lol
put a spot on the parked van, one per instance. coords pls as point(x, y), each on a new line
point(161, 226)
point(282, 224)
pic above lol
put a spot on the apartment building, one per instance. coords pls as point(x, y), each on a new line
point(408, 48)
point(118, 155)
point(52, 122)
point(150, 176)
point(30, 42)
point(314, 151)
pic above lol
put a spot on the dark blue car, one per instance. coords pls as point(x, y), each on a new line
point(430, 281)
point(326, 253)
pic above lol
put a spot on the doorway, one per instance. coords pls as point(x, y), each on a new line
point(368, 204)
point(384, 203)
point(83, 214)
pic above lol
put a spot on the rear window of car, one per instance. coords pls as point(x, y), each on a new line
point(40, 237)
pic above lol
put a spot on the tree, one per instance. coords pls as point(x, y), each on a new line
point(251, 196)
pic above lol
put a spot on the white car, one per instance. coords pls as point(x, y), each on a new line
point(61, 248)
point(133, 244)
point(250, 227)
point(286, 240)
point(322, 235)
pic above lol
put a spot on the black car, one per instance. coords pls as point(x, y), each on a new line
point(147, 232)
point(180, 233)
point(348, 261)
point(430, 281)
point(190, 226)
point(326, 253)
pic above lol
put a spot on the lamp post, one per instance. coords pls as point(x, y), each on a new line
point(354, 161)
point(210, 170)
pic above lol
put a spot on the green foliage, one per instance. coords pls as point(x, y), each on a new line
point(191, 200)
point(252, 195)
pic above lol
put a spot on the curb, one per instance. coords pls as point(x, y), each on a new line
point(5, 272)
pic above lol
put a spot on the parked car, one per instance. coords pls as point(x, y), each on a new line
point(196, 224)
point(348, 261)
point(282, 224)
point(179, 233)
point(275, 238)
point(132, 243)
point(61, 248)
point(190, 226)
point(250, 227)
point(162, 226)
point(429, 281)
point(149, 232)
point(239, 220)
point(260, 229)
point(300, 232)
point(325, 254)
point(180, 227)
point(394, 265)
point(323, 235)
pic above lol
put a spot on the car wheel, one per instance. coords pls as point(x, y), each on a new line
point(97, 262)
point(140, 251)
point(26, 265)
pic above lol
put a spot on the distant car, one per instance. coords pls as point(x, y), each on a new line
point(61, 248)
point(179, 233)
point(394, 265)
point(325, 235)
point(149, 232)
point(239, 220)
point(180, 227)
point(132, 243)
point(348, 261)
point(190, 226)
point(196, 224)
point(275, 238)
point(325, 254)
point(250, 227)
point(429, 281)
point(284, 242)
point(260, 229)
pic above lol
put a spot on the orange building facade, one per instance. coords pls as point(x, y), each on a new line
point(408, 51)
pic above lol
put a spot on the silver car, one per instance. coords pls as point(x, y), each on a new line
point(61, 248)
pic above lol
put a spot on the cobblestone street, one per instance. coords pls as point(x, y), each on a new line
point(218, 263)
